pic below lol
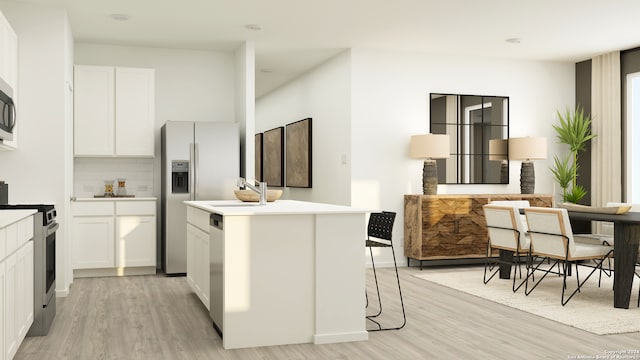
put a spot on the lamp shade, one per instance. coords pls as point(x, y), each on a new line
point(528, 148)
point(429, 146)
point(498, 149)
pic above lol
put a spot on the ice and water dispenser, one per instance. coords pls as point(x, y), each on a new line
point(179, 177)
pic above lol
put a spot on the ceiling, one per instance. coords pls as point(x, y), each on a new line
point(297, 35)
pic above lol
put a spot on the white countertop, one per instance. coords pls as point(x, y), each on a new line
point(278, 207)
point(118, 199)
point(8, 217)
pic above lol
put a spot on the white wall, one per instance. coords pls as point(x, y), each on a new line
point(390, 92)
point(323, 94)
point(366, 104)
point(37, 171)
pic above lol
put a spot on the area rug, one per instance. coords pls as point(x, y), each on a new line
point(591, 309)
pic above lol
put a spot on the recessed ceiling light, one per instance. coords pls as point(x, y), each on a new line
point(514, 40)
point(254, 27)
point(119, 17)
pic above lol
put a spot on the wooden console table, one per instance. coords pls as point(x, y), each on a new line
point(452, 227)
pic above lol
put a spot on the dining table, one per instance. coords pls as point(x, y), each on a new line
point(626, 236)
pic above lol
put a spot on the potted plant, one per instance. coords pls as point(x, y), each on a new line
point(574, 130)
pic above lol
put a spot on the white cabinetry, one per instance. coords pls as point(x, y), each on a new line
point(136, 233)
point(16, 284)
point(114, 111)
point(114, 237)
point(198, 253)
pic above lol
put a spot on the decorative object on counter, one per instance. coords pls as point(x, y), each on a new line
point(121, 190)
point(527, 149)
point(251, 196)
point(498, 151)
point(575, 131)
point(273, 156)
point(429, 147)
point(108, 188)
point(298, 154)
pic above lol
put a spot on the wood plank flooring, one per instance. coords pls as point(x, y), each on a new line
point(157, 317)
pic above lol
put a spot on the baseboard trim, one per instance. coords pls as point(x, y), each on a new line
point(340, 337)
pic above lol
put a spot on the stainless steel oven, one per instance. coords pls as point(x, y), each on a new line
point(44, 266)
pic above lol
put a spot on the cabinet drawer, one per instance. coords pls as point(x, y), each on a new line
point(135, 208)
point(198, 218)
point(3, 247)
point(98, 208)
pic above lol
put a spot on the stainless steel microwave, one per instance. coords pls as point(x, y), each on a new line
point(8, 114)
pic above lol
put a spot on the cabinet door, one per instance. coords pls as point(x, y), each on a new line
point(3, 303)
point(198, 262)
point(135, 109)
point(10, 313)
point(93, 106)
point(191, 256)
point(24, 289)
point(203, 267)
point(94, 242)
point(136, 241)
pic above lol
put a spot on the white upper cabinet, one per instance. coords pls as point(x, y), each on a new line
point(93, 108)
point(8, 53)
point(135, 120)
point(114, 111)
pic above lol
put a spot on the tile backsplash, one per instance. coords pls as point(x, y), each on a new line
point(90, 174)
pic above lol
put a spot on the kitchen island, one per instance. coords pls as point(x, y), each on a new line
point(287, 272)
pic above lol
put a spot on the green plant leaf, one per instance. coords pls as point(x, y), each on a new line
point(562, 171)
point(576, 194)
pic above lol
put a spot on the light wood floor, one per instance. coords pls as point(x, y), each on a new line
point(155, 317)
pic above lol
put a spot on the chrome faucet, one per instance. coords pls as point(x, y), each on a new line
point(261, 189)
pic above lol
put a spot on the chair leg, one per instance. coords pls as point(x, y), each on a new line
point(404, 316)
point(375, 277)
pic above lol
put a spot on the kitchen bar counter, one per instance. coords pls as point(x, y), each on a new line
point(278, 207)
point(287, 272)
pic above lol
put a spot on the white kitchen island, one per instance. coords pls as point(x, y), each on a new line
point(287, 272)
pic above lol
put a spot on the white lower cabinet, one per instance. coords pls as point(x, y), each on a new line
point(198, 262)
point(16, 286)
point(94, 243)
point(114, 237)
point(198, 253)
point(136, 240)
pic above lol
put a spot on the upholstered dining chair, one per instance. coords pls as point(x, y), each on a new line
point(379, 235)
point(551, 237)
point(506, 232)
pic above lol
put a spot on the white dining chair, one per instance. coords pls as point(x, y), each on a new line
point(506, 232)
point(551, 237)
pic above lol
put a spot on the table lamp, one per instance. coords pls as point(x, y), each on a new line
point(527, 149)
point(498, 152)
point(429, 147)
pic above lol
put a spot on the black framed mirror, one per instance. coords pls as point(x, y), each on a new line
point(471, 121)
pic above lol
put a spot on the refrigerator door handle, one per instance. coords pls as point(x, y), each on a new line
point(192, 170)
point(196, 162)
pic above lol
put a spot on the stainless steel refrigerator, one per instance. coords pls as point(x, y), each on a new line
point(200, 161)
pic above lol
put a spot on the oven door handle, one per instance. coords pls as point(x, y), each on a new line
point(52, 228)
